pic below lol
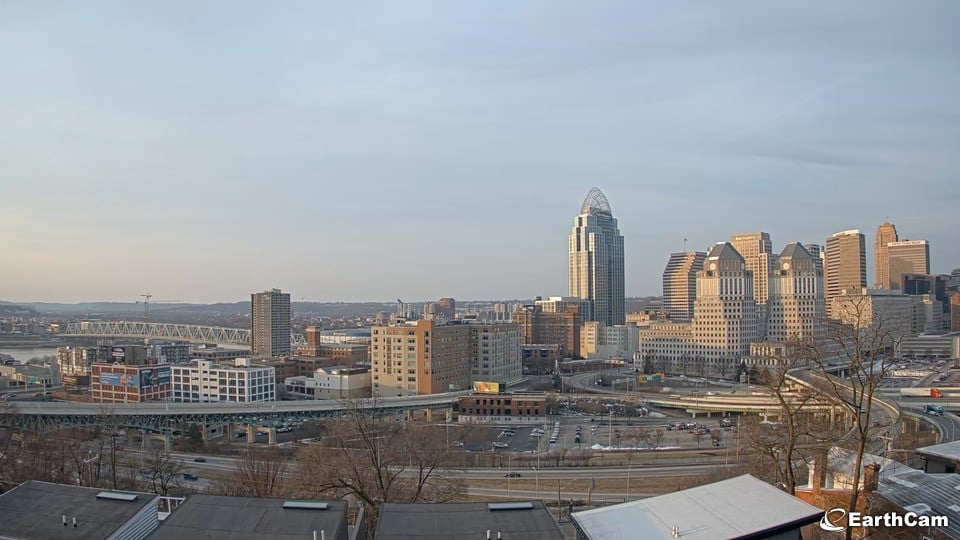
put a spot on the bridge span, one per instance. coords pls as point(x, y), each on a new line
point(176, 332)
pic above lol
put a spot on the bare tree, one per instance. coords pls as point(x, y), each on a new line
point(781, 445)
point(162, 471)
point(377, 460)
point(862, 338)
point(261, 472)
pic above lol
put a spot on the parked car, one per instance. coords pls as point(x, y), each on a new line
point(200, 459)
point(512, 475)
point(190, 476)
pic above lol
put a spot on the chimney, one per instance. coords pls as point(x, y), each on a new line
point(64, 520)
point(74, 521)
point(675, 532)
point(871, 477)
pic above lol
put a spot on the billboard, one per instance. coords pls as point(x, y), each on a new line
point(486, 387)
point(652, 377)
point(163, 375)
point(119, 379)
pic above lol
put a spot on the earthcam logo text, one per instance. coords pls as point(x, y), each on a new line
point(833, 520)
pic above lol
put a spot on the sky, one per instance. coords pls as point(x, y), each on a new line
point(345, 151)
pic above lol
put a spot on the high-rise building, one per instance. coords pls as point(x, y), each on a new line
point(725, 322)
point(846, 265)
point(934, 286)
point(796, 304)
point(816, 250)
point(757, 252)
point(680, 284)
point(596, 260)
point(725, 314)
point(448, 307)
point(886, 233)
point(270, 323)
point(955, 311)
point(906, 257)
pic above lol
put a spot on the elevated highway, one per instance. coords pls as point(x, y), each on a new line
point(166, 417)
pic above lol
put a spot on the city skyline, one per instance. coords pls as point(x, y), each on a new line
point(262, 149)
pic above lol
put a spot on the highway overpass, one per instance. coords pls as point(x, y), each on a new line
point(165, 417)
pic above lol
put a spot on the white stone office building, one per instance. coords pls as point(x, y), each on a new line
point(796, 306)
point(204, 381)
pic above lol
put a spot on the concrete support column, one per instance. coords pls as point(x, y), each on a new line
point(708, 414)
point(429, 415)
point(449, 414)
point(251, 434)
point(408, 415)
point(272, 436)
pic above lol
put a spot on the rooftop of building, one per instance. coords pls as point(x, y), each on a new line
point(950, 450)
point(725, 509)
point(467, 521)
point(35, 510)
point(596, 203)
point(212, 517)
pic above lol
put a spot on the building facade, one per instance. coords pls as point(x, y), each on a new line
point(796, 306)
point(888, 315)
point(906, 257)
point(118, 383)
point(845, 265)
point(338, 382)
point(886, 233)
point(206, 382)
point(428, 357)
point(610, 342)
point(419, 357)
point(270, 323)
point(496, 353)
point(680, 284)
point(508, 408)
point(596, 261)
point(757, 252)
point(725, 323)
point(561, 328)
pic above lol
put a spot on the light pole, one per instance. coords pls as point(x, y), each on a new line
point(536, 474)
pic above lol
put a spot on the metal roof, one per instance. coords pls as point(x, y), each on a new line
point(717, 511)
point(212, 517)
point(466, 521)
point(35, 510)
point(925, 494)
point(950, 450)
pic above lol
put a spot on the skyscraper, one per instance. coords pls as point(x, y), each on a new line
point(725, 315)
point(270, 323)
point(796, 296)
point(816, 250)
point(906, 257)
point(680, 284)
point(596, 260)
point(846, 265)
point(757, 252)
point(886, 233)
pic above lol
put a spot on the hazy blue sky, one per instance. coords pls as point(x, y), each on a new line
point(354, 150)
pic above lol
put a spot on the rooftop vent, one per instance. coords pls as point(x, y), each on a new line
point(507, 506)
point(305, 505)
point(117, 496)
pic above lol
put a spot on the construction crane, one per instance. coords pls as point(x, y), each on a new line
point(146, 302)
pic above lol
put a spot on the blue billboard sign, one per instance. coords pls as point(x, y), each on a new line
point(163, 375)
point(119, 379)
